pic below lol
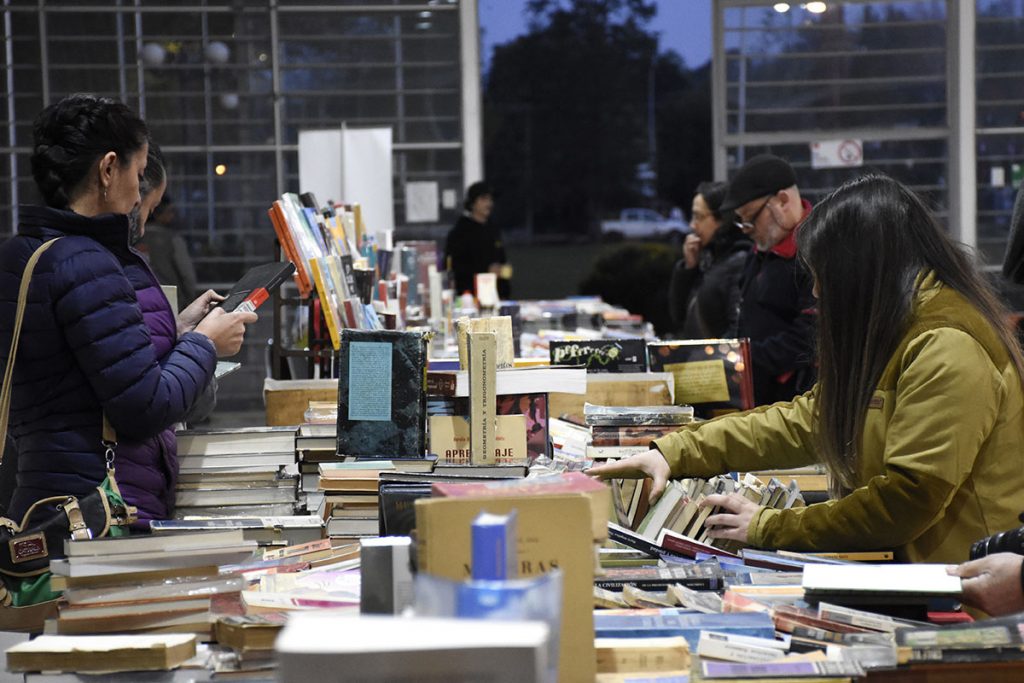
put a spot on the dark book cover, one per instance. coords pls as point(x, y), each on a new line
point(629, 435)
point(601, 355)
point(712, 375)
point(382, 404)
point(397, 512)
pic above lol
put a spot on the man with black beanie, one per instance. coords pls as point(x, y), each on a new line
point(777, 306)
point(473, 246)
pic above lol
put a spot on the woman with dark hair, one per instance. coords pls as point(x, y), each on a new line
point(918, 411)
point(100, 341)
point(473, 246)
point(704, 292)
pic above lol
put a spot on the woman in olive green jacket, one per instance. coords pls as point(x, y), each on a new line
point(919, 408)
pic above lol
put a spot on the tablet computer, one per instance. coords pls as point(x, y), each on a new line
point(256, 285)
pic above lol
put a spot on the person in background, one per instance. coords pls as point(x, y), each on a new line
point(704, 291)
point(100, 339)
point(162, 242)
point(776, 305)
point(473, 246)
point(918, 412)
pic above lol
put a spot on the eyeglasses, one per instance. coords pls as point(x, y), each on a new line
point(749, 224)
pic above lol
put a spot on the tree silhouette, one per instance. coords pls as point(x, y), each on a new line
point(566, 117)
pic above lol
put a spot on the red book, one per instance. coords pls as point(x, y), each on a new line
point(688, 547)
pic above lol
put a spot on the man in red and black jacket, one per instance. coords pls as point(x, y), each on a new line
point(777, 306)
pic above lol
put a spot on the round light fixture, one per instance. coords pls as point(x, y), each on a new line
point(217, 52)
point(220, 169)
point(781, 7)
point(153, 54)
point(816, 7)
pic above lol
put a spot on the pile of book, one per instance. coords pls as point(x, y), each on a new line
point(245, 472)
point(315, 443)
point(622, 431)
point(165, 582)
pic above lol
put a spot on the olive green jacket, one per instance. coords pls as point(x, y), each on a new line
point(942, 452)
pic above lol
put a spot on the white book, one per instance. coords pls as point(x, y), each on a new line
point(150, 561)
point(102, 654)
point(249, 496)
point(929, 580)
point(734, 648)
point(531, 380)
point(374, 649)
point(178, 542)
point(199, 463)
point(236, 441)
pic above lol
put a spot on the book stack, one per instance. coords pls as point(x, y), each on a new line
point(164, 582)
point(622, 431)
point(315, 443)
point(351, 500)
point(236, 473)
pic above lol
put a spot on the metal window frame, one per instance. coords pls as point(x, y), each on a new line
point(131, 15)
point(959, 134)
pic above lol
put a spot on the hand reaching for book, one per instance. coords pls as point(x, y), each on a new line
point(733, 519)
point(197, 310)
point(649, 464)
point(226, 330)
point(993, 583)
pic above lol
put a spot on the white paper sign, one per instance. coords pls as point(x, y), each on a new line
point(421, 202)
point(847, 153)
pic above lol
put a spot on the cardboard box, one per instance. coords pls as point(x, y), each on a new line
point(553, 531)
point(287, 399)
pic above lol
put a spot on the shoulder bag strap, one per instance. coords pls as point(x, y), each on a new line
point(5, 391)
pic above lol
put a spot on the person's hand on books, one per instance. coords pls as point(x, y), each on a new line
point(734, 516)
point(649, 464)
point(226, 330)
point(197, 310)
point(993, 583)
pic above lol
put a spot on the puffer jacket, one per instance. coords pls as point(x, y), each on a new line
point(98, 337)
point(942, 451)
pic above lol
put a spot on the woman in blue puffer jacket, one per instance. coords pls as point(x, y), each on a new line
point(99, 337)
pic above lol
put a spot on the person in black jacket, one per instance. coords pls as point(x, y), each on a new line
point(777, 306)
point(473, 246)
point(704, 292)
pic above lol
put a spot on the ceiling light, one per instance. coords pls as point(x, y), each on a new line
point(781, 7)
point(816, 7)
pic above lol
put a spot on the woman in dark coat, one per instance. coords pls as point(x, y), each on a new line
point(704, 292)
point(99, 337)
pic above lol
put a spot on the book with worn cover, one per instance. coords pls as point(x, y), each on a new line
point(381, 399)
point(712, 375)
point(601, 355)
point(102, 654)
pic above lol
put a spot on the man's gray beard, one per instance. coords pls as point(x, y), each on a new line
point(134, 229)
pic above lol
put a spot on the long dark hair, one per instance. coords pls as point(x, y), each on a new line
point(156, 170)
point(865, 244)
point(69, 136)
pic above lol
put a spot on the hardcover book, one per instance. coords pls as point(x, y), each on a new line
point(601, 355)
point(381, 398)
point(712, 375)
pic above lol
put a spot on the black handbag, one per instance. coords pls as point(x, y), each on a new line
point(28, 545)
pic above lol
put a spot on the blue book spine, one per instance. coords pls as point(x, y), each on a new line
point(493, 547)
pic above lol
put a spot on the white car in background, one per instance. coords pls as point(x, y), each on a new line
point(646, 224)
